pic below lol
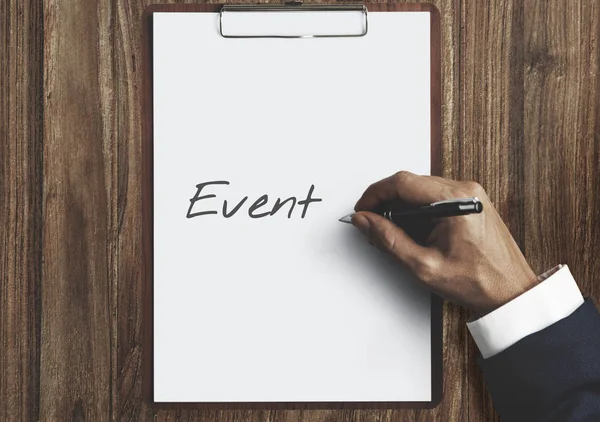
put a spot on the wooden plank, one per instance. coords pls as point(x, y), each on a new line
point(490, 147)
point(79, 225)
point(21, 79)
point(126, 59)
point(454, 402)
point(562, 138)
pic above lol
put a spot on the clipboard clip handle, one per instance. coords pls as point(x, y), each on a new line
point(293, 6)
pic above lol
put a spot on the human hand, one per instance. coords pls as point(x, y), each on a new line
point(471, 260)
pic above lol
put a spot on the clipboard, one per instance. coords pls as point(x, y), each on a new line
point(148, 200)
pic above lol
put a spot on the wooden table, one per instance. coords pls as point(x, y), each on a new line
point(521, 115)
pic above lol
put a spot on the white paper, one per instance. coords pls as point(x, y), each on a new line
point(278, 309)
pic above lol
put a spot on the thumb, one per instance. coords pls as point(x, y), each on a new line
point(392, 239)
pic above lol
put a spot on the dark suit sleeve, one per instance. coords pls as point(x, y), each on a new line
point(551, 375)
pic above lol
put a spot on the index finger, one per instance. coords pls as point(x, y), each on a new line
point(405, 186)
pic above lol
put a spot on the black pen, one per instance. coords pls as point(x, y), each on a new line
point(447, 208)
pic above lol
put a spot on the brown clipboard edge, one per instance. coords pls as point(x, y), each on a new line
point(147, 225)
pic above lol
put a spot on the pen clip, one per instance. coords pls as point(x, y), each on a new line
point(459, 201)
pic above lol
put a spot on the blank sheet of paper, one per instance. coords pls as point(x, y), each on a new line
point(284, 307)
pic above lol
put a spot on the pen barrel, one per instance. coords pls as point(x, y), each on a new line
point(419, 222)
point(437, 211)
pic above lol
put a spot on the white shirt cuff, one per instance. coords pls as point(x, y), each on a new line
point(541, 306)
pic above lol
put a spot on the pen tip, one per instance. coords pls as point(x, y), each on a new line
point(346, 219)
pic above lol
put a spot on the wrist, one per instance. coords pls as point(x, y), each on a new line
point(510, 289)
point(525, 283)
point(554, 297)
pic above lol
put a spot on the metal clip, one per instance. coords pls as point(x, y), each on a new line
point(293, 6)
point(465, 201)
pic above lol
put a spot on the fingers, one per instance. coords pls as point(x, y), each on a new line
point(406, 186)
point(387, 236)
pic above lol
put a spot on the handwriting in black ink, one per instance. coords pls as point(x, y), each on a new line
point(252, 209)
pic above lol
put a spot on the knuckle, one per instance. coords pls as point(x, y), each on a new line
point(426, 268)
point(387, 239)
point(469, 188)
point(372, 187)
point(402, 177)
point(475, 188)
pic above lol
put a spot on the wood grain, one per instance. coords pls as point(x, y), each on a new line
point(126, 60)
point(490, 146)
point(520, 114)
point(562, 138)
point(21, 181)
point(79, 226)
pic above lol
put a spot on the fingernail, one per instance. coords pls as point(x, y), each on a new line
point(361, 223)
